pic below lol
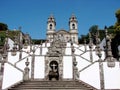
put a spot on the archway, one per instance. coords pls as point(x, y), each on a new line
point(54, 70)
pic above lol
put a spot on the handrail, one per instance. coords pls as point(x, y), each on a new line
point(15, 67)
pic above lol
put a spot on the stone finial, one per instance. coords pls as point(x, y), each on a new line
point(74, 61)
point(109, 57)
point(73, 49)
point(26, 71)
point(27, 62)
point(90, 41)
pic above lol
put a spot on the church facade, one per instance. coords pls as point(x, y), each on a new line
point(71, 35)
point(59, 64)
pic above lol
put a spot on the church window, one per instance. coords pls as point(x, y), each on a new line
point(73, 26)
point(50, 26)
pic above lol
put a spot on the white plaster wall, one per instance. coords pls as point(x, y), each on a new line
point(11, 76)
point(10, 42)
point(67, 67)
point(89, 75)
point(112, 76)
point(39, 67)
point(14, 58)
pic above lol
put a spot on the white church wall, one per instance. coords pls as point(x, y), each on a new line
point(91, 76)
point(77, 51)
point(37, 50)
point(112, 76)
point(81, 63)
point(48, 44)
point(11, 43)
point(67, 63)
point(68, 50)
point(13, 59)
point(81, 47)
point(11, 76)
point(68, 44)
point(39, 67)
point(67, 67)
point(27, 49)
point(44, 50)
point(21, 64)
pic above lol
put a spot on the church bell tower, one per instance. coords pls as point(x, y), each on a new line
point(73, 28)
point(51, 24)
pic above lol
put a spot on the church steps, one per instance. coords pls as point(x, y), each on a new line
point(51, 88)
point(52, 85)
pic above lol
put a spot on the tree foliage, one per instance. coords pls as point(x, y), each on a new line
point(3, 27)
point(93, 29)
point(117, 24)
point(83, 38)
point(38, 41)
point(116, 35)
point(2, 38)
point(118, 15)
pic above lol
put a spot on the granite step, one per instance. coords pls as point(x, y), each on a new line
point(52, 85)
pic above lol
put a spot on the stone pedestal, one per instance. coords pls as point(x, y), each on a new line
point(26, 74)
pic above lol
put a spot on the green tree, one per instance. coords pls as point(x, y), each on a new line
point(93, 29)
point(2, 38)
point(116, 35)
point(118, 15)
point(117, 24)
point(83, 38)
point(38, 41)
point(3, 27)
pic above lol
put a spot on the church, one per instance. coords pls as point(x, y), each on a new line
point(71, 35)
point(60, 63)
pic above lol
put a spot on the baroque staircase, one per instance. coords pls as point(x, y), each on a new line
point(52, 85)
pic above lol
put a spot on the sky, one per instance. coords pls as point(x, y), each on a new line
point(32, 15)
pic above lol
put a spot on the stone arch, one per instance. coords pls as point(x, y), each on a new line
point(54, 70)
point(73, 26)
point(51, 26)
